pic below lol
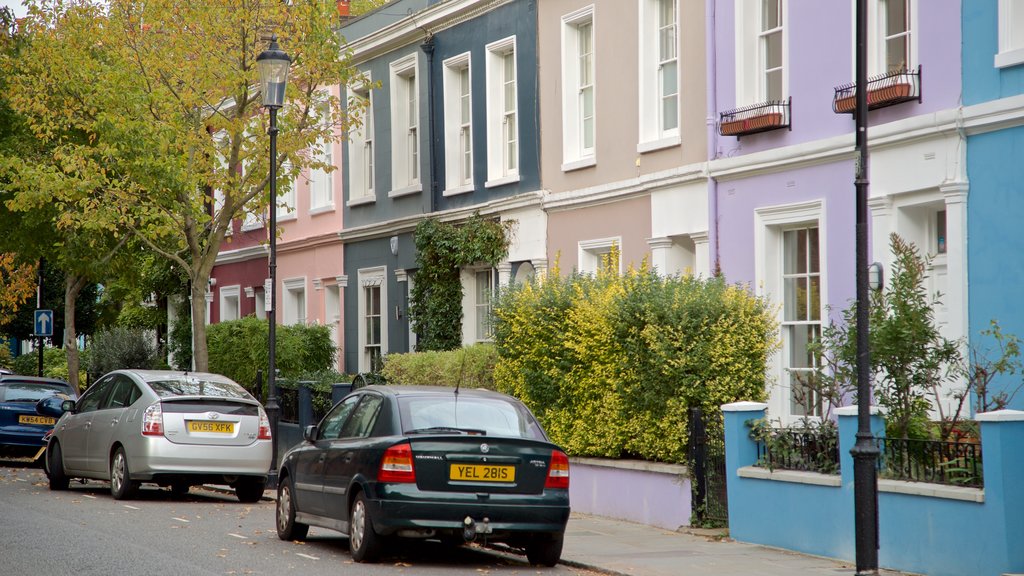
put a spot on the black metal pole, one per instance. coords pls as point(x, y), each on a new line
point(39, 306)
point(273, 409)
point(865, 450)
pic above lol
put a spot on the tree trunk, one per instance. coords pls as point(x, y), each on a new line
point(200, 354)
point(73, 285)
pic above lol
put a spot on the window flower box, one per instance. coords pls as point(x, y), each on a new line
point(885, 90)
point(754, 119)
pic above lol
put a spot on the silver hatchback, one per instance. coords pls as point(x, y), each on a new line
point(174, 429)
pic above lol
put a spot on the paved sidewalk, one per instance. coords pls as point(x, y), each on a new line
point(627, 549)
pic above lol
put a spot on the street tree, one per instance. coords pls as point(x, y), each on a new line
point(165, 93)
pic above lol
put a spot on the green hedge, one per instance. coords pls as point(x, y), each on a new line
point(612, 363)
point(238, 348)
point(471, 367)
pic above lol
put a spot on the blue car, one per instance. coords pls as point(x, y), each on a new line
point(23, 431)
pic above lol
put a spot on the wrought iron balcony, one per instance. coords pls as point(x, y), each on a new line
point(883, 90)
point(755, 118)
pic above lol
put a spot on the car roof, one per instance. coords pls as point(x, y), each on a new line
point(405, 390)
point(6, 378)
point(155, 375)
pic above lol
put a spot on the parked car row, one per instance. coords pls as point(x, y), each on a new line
point(386, 462)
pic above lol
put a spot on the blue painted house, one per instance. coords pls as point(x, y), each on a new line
point(993, 119)
point(451, 128)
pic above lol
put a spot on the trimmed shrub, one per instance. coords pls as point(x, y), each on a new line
point(470, 367)
point(55, 364)
point(238, 348)
point(612, 363)
point(120, 347)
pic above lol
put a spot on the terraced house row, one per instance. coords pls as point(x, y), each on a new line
point(706, 136)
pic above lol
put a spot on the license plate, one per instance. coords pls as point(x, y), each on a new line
point(29, 419)
point(482, 473)
point(214, 427)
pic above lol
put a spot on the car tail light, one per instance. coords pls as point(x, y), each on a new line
point(264, 426)
point(153, 421)
point(558, 471)
point(396, 465)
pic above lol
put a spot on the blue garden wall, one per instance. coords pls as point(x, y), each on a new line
point(923, 528)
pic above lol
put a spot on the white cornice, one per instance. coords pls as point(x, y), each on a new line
point(623, 189)
point(242, 254)
point(994, 115)
point(415, 27)
point(408, 223)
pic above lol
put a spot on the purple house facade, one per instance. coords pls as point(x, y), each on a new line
point(781, 204)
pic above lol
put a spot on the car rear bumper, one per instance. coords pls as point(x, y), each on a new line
point(159, 457)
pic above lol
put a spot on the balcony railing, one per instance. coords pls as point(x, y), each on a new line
point(756, 118)
point(883, 90)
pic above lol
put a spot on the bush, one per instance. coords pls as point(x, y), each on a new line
point(55, 364)
point(471, 367)
point(120, 347)
point(239, 348)
point(612, 363)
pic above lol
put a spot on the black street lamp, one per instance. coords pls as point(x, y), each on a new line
point(273, 65)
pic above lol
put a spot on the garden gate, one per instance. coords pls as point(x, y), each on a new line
point(707, 469)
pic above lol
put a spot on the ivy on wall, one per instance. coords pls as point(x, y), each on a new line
point(442, 249)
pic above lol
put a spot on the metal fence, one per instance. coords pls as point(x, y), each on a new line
point(953, 463)
point(707, 469)
point(804, 449)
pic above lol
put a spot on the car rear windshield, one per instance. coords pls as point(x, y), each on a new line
point(189, 386)
point(490, 416)
point(30, 391)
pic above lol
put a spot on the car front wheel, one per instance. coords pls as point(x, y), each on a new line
point(545, 549)
point(287, 527)
point(55, 468)
point(122, 487)
point(364, 543)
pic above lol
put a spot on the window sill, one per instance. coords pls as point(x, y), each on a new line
point(407, 191)
point(321, 210)
point(370, 199)
point(287, 217)
point(456, 190)
point(251, 227)
point(501, 181)
point(579, 164)
point(660, 144)
point(1009, 58)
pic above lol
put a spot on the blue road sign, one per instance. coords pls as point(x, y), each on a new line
point(44, 323)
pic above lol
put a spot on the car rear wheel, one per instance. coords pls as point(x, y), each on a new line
point(55, 468)
point(544, 549)
point(250, 491)
point(364, 543)
point(180, 488)
point(122, 487)
point(287, 527)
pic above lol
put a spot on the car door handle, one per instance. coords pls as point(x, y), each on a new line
point(113, 422)
point(322, 458)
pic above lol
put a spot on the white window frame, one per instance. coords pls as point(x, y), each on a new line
point(371, 277)
point(230, 300)
point(458, 124)
point(653, 132)
point(578, 30)
point(1011, 34)
point(260, 300)
point(332, 310)
point(877, 53)
point(750, 85)
point(321, 181)
point(295, 301)
point(287, 208)
point(361, 158)
point(769, 225)
point(591, 252)
point(405, 122)
point(501, 167)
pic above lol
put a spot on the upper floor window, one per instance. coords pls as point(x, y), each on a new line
point(578, 89)
point(761, 51)
point(1011, 33)
point(321, 181)
point(770, 42)
point(405, 163)
point(360, 147)
point(659, 74)
point(286, 192)
point(891, 25)
point(502, 113)
point(458, 129)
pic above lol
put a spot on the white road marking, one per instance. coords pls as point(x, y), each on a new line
point(91, 496)
point(307, 556)
point(182, 520)
point(239, 536)
point(130, 507)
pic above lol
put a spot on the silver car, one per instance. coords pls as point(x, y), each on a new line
point(175, 429)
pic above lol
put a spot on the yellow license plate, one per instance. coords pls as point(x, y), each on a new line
point(29, 419)
point(214, 427)
point(482, 473)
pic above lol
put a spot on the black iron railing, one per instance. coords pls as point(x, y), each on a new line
point(953, 463)
point(883, 90)
point(761, 117)
point(803, 449)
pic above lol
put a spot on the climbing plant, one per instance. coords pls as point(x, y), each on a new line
point(442, 249)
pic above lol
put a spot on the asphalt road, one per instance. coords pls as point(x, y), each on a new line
point(85, 532)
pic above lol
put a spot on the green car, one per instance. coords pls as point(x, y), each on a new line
point(427, 462)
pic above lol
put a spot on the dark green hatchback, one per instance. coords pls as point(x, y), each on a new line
point(427, 462)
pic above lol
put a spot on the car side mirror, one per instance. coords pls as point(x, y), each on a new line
point(309, 433)
point(54, 406)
